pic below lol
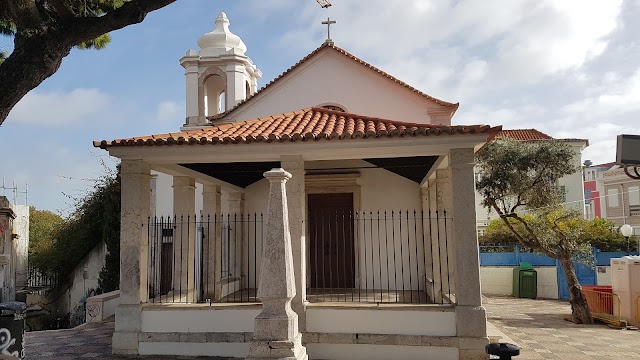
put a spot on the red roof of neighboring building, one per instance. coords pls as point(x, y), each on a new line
point(524, 134)
point(302, 125)
point(532, 135)
point(330, 45)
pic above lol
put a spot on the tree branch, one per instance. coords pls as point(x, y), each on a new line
point(39, 50)
point(132, 12)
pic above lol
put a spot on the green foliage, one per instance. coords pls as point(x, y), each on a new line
point(43, 227)
point(600, 233)
point(517, 174)
point(95, 219)
point(86, 8)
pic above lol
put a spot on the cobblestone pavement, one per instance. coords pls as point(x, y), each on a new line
point(90, 341)
point(538, 326)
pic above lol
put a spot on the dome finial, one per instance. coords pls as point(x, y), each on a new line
point(222, 24)
point(221, 39)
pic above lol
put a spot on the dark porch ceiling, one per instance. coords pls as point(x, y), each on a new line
point(240, 174)
point(413, 168)
point(243, 174)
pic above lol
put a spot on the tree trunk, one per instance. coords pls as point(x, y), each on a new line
point(34, 59)
point(580, 312)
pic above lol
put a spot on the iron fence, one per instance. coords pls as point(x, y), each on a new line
point(204, 258)
point(380, 257)
point(40, 282)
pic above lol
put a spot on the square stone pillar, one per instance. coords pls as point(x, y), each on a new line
point(276, 334)
point(296, 201)
point(212, 246)
point(237, 239)
point(134, 246)
point(184, 207)
point(427, 197)
point(471, 319)
point(444, 206)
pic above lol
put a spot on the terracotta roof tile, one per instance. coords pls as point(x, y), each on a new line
point(524, 134)
point(330, 45)
point(532, 135)
point(301, 125)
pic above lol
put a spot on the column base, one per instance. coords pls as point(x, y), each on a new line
point(128, 326)
point(278, 350)
point(472, 348)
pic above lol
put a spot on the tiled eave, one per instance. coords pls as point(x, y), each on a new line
point(313, 124)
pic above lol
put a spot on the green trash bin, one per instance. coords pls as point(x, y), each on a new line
point(525, 281)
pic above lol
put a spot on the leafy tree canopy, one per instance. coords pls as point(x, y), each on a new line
point(598, 232)
point(96, 218)
point(519, 181)
point(45, 31)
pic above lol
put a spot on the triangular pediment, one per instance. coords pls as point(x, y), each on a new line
point(331, 76)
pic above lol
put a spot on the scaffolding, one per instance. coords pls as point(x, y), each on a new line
point(14, 192)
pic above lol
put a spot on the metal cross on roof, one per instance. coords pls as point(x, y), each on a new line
point(329, 22)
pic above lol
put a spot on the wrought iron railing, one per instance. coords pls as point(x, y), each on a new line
point(379, 257)
point(40, 282)
point(204, 259)
point(384, 256)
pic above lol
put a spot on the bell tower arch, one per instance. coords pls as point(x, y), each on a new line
point(219, 75)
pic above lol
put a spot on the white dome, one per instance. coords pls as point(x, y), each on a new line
point(221, 38)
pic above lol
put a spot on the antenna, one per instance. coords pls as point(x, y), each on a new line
point(324, 3)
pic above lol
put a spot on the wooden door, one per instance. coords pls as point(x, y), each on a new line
point(331, 245)
point(166, 267)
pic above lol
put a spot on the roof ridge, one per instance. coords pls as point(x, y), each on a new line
point(347, 54)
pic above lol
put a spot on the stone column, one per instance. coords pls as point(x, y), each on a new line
point(236, 85)
point(434, 241)
point(297, 205)
point(276, 334)
point(184, 207)
point(428, 247)
point(134, 246)
point(444, 207)
point(193, 116)
point(211, 212)
point(236, 241)
point(471, 326)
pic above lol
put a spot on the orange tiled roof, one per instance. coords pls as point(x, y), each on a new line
point(302, 125)
point(524, 134)
point(350, 56)
point(532, 135)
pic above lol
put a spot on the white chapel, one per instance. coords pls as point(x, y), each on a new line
point(329, 214)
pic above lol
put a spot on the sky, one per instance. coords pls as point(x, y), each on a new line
point(569, 68)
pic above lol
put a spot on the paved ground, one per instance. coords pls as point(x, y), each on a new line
point(91, 341)
point(538, 326)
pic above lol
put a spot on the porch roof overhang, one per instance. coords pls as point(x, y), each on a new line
point(315, 134)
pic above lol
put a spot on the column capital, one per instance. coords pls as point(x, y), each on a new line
point(211, 189)
point(277, 175)
point(135, 167)
point(292, 163)
point(464, 157)
point(184, 181)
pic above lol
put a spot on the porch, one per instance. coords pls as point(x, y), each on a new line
point(382, 230)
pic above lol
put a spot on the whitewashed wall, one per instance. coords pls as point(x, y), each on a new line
point(498, 280)
point(341, 81)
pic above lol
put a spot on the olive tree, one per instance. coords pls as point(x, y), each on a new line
point(519, 181)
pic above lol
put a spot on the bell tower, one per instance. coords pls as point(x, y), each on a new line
point(219, 75)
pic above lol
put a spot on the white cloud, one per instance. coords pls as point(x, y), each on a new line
point(60, 108)
point(170, 112)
